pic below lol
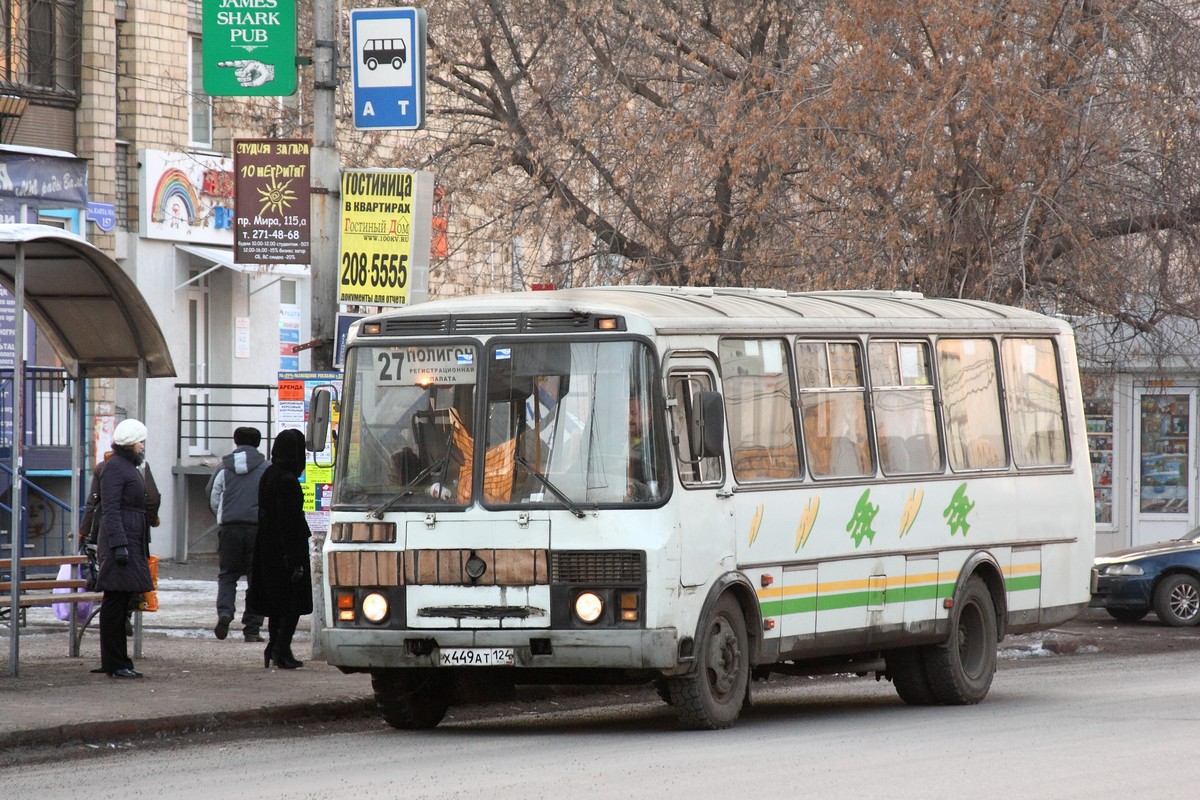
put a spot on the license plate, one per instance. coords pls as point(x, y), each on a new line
point(475, 657)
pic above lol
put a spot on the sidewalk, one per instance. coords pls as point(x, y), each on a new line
point(193, 681)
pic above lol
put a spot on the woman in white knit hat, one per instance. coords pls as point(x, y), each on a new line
point(123, 547)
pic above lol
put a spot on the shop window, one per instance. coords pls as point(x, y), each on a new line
point(1099, 415)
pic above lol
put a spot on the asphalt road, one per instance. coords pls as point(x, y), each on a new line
point(1085, 725)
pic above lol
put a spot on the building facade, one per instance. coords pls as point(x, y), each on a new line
point(110, 95)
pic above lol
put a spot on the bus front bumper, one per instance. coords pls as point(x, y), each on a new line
point(360, 649)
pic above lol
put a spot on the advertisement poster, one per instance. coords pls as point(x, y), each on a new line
point(272, 201)
point(385, 235)
point(295, 390)
point(186, 197)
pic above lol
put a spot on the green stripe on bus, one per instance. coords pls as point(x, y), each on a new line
point(1023, 584)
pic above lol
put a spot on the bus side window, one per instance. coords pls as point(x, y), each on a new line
point(971, 399)
point(1033, 398)
point(694, 470)
point(903, 401)
point(833, 409)
point(758, 409)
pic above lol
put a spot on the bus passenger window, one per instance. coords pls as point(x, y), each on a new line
point(833, 409)
point(903, 398)
point(758, 409)
point(1033, 399)
point(971, 399)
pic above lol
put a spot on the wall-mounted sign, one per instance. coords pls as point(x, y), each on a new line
point(272, 201)
point(387, 224)
point(103, 214)
point(249, 47)
point(186, 197)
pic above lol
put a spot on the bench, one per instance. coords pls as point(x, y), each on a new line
point(39, 591)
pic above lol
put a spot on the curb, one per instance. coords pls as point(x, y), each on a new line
point(158, 727)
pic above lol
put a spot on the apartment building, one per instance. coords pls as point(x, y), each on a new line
point(105, 131)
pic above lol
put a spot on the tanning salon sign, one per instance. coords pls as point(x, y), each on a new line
point(387, 225)
point(272, 201)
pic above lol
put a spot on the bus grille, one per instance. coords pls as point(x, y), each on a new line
point(597, 567)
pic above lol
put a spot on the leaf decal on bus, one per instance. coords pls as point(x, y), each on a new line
point(755, 523)
point(807, 519)
point(912, 507)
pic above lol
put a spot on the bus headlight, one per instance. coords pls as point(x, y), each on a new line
point(375, 607)
point(589, 607)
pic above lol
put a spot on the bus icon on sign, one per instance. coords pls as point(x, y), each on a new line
point(383, 51)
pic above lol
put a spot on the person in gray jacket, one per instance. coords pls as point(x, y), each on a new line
point(233, 497)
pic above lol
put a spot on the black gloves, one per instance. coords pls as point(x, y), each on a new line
point(121, 555)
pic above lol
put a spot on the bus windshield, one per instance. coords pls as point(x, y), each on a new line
point(526, 423)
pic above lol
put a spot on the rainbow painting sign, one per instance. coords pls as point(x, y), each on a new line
point(186, 197)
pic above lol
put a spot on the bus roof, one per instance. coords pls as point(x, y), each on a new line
point(674, 309)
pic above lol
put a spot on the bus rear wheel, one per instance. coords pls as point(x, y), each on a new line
point(411, 699)
point(906, 667)
point(711, 697)
point(960, 669)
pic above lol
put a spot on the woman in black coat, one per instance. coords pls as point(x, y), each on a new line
point(281, 577)
point(123, 548)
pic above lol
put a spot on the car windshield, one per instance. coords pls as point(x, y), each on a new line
point(571, 425)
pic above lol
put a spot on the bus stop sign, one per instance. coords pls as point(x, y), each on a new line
point(387, 48)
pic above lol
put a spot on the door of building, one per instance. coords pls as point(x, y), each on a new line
point(1164, 468)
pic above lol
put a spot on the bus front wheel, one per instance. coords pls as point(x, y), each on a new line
point(960, 669)
point(411, 699)
point(711, 697)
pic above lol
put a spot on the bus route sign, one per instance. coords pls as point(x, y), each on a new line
point(387, 64)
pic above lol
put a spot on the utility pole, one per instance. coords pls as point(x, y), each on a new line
point(326, 183)
point(326, 194)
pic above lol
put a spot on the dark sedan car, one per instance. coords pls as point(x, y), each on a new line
point(1163, 577)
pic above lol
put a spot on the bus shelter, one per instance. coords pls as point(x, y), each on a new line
point(99, 325)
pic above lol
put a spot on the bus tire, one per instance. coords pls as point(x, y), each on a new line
point(906, 668)
point(960, 669)
point(711, 697)
point(410, 699)
point(1177, 601)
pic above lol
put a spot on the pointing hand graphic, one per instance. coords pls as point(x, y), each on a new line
point(250, 73)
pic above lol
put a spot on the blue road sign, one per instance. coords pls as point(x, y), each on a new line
point(387, 50)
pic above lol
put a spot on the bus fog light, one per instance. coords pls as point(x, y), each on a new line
point(589, 607)
point(375, 607)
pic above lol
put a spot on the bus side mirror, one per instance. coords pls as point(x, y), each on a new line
point(708, 424)
point(318, 419)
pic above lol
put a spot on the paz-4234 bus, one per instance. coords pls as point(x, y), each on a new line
point(700, 487)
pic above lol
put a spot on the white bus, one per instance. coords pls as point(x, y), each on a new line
point(697, 488)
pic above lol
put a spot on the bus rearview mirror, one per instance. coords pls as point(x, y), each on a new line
point(708, 424)
point(318, 419)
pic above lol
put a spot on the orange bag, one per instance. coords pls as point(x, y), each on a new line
point(149, 600)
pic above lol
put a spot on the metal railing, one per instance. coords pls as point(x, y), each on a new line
point(46, 400)
point(208, 413)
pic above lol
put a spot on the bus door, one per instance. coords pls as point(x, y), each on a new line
point(703, 507)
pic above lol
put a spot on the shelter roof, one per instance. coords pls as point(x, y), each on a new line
point(91, 311)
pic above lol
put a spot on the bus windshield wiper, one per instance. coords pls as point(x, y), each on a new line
point(544, 481)
point(437, 466)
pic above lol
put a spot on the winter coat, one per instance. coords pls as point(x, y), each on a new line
point(281, 580)
point(123, 522)
point(233, 488)
point(89, 525)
